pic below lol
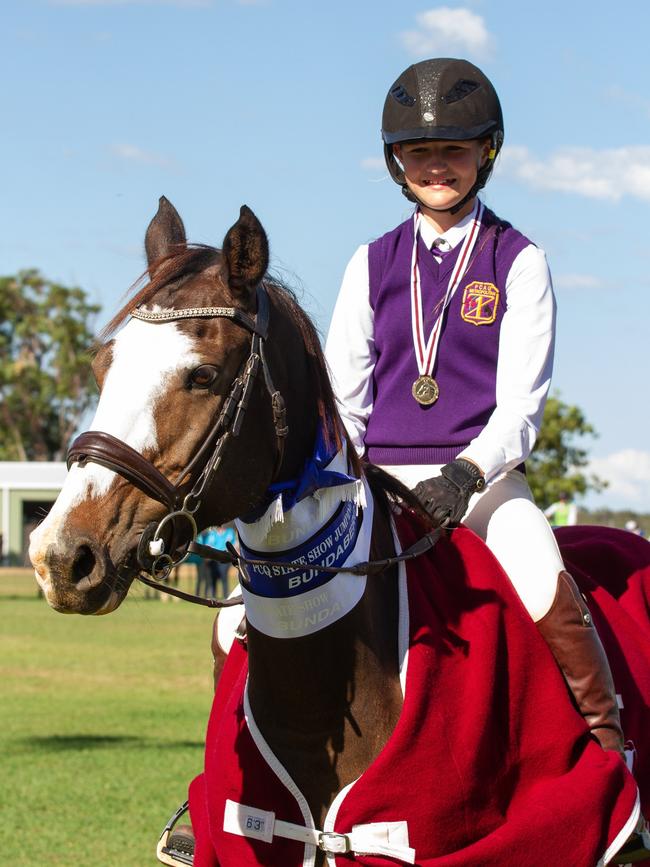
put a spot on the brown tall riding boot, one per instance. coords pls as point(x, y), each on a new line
point(569, 631)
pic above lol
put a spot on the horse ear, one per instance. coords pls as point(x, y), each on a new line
point(164, 232)
point(246, 251)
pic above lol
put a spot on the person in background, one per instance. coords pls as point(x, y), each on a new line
point(562, 513)
point(212, 574)
point(632, 527)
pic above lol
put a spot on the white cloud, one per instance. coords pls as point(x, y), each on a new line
point(447, 32)
point(577, 281)
point(134, 154)
point(608, 174)
point(628, 474)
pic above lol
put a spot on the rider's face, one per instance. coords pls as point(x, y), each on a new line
point(439, 172)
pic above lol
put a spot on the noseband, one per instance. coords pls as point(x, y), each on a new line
point(184, 496)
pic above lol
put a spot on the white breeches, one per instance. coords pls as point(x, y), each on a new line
point(514, 529)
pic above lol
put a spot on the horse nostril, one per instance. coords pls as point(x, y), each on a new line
point(83, 564)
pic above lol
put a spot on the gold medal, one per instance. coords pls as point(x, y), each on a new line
point(425, 390)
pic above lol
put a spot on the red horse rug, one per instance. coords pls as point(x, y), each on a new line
point(489, 765)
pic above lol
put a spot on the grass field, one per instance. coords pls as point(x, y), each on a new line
point(102, 722)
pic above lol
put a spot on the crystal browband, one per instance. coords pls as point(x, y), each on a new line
point(169, 315)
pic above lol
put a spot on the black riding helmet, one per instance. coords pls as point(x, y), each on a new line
point(443, 98)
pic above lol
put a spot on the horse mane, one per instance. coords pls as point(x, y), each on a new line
point(331, 423)
point(193, 258)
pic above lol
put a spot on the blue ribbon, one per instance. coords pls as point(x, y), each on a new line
point(314, 476)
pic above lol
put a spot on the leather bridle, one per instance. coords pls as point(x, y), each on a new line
point(184, 496)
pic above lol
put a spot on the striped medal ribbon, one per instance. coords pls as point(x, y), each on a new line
point(425, 389)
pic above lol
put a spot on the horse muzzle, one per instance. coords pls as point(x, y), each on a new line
point(77, 577)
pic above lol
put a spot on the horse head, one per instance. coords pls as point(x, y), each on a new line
point(191, 422)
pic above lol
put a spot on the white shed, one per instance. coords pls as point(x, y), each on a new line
point(27, 491)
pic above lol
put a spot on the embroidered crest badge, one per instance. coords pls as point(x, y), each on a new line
point(479, 305)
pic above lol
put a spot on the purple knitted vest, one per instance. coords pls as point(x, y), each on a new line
point(400, 430)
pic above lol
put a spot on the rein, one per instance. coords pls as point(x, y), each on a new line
point(234, 558)
point(368, 567)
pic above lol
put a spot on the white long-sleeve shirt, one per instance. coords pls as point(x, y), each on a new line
point(526, 347)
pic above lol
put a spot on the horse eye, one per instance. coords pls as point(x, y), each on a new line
point(203, 376)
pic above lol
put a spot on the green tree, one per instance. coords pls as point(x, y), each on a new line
point(46, 382)
point(556, 463)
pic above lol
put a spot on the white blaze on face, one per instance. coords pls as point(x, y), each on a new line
point(146, 356)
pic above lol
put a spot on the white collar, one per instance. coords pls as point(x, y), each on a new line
point(452, 236)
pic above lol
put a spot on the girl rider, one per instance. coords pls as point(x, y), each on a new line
point(441, 351)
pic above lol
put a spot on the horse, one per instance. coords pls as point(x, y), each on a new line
point(386, 704)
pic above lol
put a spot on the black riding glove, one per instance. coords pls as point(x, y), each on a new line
point(446, 496)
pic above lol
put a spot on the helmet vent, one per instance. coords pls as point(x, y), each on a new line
point(402, 96)
point(460, 90)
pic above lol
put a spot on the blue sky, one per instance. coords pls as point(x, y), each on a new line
point(107, 104)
